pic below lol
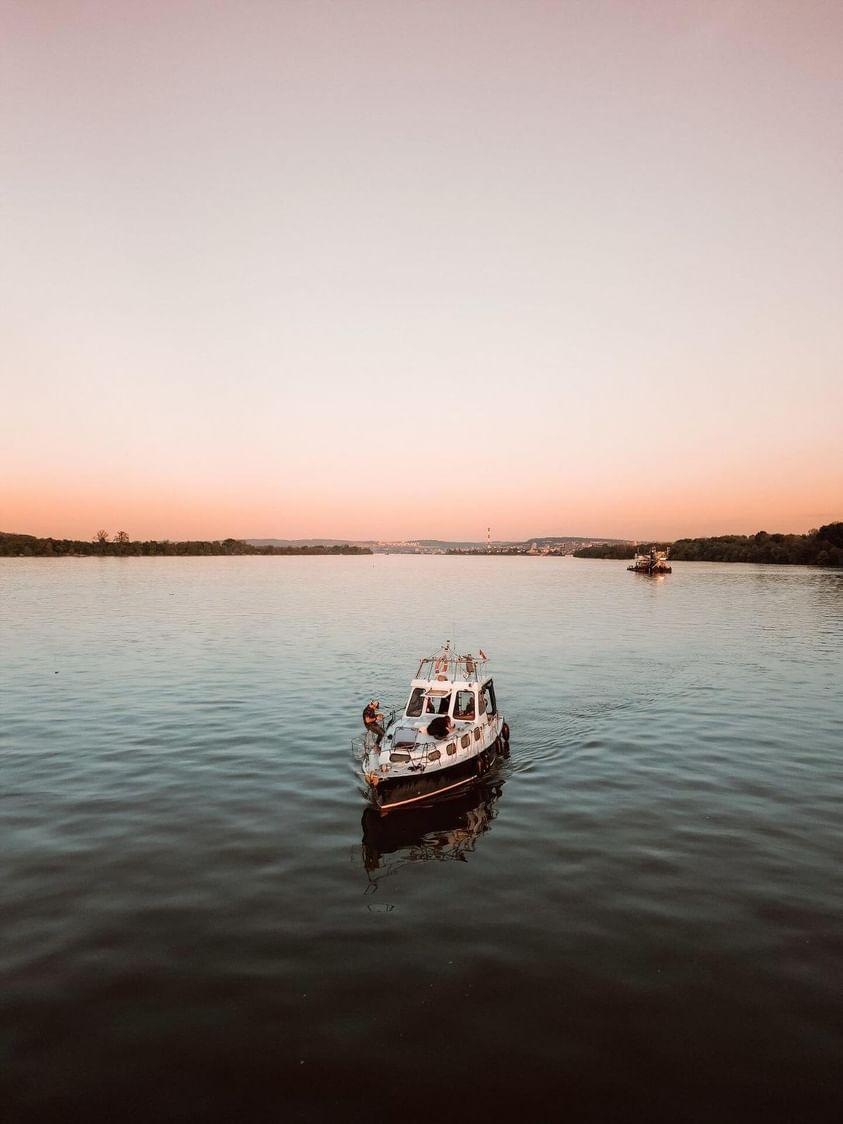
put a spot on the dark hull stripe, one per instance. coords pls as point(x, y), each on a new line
point(411, 790)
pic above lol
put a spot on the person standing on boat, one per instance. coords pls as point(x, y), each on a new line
point(371, 720)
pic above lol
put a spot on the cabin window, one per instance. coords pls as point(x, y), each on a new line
point(465, 741)
point(436, 704)
point(477, 733)
point(464, 706)
point(488, 704)
point(414, 706)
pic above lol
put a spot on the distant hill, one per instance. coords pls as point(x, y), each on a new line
point(436, 544)
point(447, 544)
point(552, 540)
point(308, 542)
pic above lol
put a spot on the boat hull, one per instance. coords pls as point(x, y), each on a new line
point(401, 792)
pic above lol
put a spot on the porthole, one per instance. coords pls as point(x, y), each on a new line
point(399, 757)
point(477, 733)
point(434, 755)
point(465, 741)
point(451, 748)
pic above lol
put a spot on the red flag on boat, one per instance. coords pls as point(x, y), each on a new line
point(483, 655)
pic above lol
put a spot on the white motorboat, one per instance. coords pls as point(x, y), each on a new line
point(449, 733)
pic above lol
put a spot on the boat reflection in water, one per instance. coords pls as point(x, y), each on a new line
point(447, 830)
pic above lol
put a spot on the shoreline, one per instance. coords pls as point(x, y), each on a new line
point(121, 546)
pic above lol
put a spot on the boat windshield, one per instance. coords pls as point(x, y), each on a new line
point(416, 703)
point(437, 702)
point(423, 701)
point(487, 699)
point(464, 706)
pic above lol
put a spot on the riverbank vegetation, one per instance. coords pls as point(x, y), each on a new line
point(606, 550)
point(820, 547)
point(29, 546)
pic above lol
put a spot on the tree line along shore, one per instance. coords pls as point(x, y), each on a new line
point(29, 546)
point(820, 547)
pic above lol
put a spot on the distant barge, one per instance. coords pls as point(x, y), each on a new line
point(654, 562)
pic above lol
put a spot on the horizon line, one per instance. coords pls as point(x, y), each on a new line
point(423, 539)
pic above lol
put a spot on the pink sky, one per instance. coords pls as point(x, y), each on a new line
point(409, 269)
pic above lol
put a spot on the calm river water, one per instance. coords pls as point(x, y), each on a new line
point(641, 914)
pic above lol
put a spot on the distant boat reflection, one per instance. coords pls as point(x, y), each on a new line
point(447, 830)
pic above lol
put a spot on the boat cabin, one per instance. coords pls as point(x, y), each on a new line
point(460, 700)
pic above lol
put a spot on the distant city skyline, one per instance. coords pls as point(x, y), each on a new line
point(399, 270)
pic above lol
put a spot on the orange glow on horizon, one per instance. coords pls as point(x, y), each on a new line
point(630, 513)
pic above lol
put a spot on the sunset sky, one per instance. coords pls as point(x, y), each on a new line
point(385, 269)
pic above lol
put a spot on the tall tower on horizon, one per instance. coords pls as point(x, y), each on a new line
point(489, 539)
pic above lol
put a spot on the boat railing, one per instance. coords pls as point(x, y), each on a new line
point(452, 666)
point(391, 713)
point(364, 743)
